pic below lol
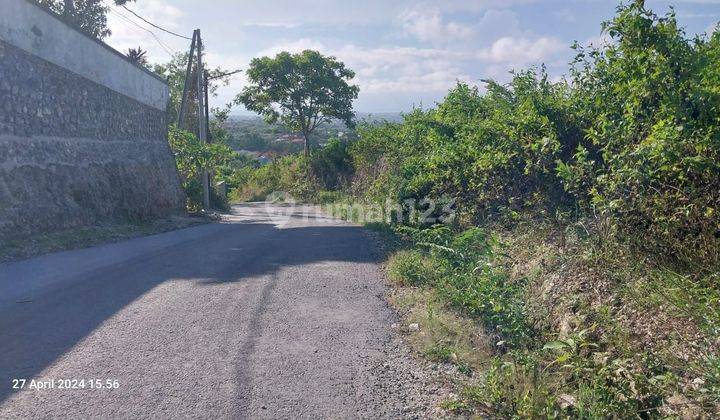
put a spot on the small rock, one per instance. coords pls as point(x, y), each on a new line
point(698, 382)
point(566, 401)
point(600, 359)
point(678, 400)
point(414, 327)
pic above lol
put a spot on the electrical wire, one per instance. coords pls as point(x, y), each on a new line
point(225, 74)
point(154, 25)
point(164, 46)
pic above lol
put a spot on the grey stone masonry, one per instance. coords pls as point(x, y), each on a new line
point(74, 152)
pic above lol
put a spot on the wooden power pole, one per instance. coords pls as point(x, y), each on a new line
point(186, 87)
point(202, 122)
point(202, 106)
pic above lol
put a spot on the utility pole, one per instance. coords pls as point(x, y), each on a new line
point(207, 106)
point(186, 87)
point(203, 108)
point(202, 126)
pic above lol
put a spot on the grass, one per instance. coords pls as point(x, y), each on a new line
point(444, 336)
point(83, 237)
point(539, 322)
point(556, 320)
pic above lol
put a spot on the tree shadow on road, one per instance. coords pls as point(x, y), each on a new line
point(36, 333)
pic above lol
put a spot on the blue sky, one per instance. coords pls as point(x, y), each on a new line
point(405, 53)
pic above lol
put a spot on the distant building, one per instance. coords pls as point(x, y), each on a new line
point(290, 138)
point(270, 155)
point(249, 153)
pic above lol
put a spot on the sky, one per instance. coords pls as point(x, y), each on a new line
point(405, 53)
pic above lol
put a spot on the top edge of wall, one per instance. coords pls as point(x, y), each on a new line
point(38, 31)
point(95, 40)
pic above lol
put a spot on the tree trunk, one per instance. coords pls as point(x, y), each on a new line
point(307, 145)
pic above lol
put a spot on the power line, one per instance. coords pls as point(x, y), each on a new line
point(164, 46)
point(154, 25)
point(224, 74)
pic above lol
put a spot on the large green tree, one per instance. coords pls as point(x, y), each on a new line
point(302, 91)
point(88, 15)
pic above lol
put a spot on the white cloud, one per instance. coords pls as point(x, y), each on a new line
point(278, 25)
point(292, 47)
point(403, 69)
point(429, 26)
point(565, 15)
point(521, 51)
point(335, 12)
point(478, 5)
point(127, 30)
point(389, 70)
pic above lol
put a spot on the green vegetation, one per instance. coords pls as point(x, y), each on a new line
point(586, 238)
point(569, 330)
point(192, 157)
point(304, 177)
point(84, 237)
point(90, 16)
point(302, 91)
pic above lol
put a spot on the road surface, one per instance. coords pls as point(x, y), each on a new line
point(256, 317)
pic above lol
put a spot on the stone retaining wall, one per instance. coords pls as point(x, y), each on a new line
point(75, 149)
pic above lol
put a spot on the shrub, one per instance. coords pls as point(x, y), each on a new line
point(411, 268)
point(651, 157)
point(464, 269)
point(331, 165)
point(303, 177)
point(192, 157)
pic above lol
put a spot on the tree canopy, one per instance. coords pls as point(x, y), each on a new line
point(138, 56)
point(88, 15)
point(302, 91)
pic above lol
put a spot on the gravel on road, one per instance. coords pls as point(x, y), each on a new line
point(260, 316)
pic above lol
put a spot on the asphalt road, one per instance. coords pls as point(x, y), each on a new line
point(250, 318)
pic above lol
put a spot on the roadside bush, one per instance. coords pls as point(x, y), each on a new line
point(411, 268)
point(192, 156)
point(492, 153)
point(332, 166)
point(289, 174)
point(304, 178)
point(632, 140)
point(651, 157)
point(330, 197)
point(465, 270)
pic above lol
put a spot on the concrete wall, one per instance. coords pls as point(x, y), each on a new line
point(82, 130)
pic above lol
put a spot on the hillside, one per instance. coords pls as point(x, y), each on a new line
point(252, 133)
point(555, 245)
